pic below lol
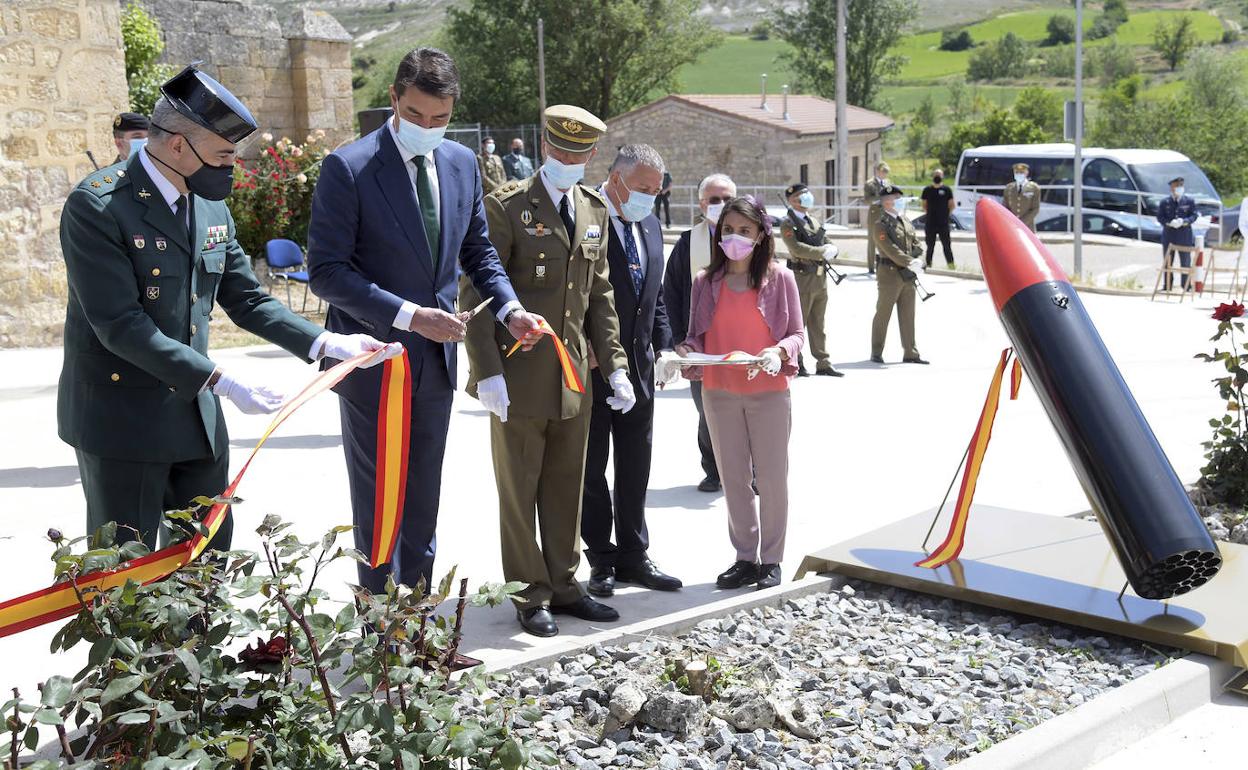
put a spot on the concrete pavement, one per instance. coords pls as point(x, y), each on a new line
point(875, 446)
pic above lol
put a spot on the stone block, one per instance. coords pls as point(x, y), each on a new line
point(49, 57)
point(20, 53)
point(230, 49)
point(103, 23)
point(21, 148)
point(9, 93)
point(47, 184)
point(27, 118)
point(95, 75)
point(54, 23)
point(42, 89)
point(69, 116)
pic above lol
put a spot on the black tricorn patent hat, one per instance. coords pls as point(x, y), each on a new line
point(202, 99)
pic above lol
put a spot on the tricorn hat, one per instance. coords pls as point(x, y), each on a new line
point(203, 100)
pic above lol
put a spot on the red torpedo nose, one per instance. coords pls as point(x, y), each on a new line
point(1011, 255)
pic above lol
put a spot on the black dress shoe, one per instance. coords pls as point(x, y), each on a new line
point(586, 608)
point(829, 371)
point(709, 484)
point(768, 575)
point(537, 621)
point(602, 581)
point(740, 574)
point(647, 574)
point(877, 359)
point(914, 361)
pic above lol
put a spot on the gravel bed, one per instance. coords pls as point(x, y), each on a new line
point(864, 677)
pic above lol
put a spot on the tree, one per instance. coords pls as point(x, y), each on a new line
point(872, 28)
point(997, 127)
point(957, 99)
point(1000, 59)
point(1213, 79)
point(140, 36)
point(1113, 62)
point(919, 134)
point(1041, 107)
point(607, 56)
point(1061, 30)
point(1174, 39)
point(956, 41)
point(1116, 10)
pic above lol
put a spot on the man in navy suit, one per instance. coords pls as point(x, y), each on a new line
point(395, 215)
point(635, 256)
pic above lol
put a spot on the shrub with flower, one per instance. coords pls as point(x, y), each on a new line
point(1224, 479)
point(273, 192)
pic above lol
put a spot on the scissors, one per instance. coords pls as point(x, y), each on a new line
point(476, 310)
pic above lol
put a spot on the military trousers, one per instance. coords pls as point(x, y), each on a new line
point(539, 466)
point(893, 291)
point(812, 293)
point(136, 494)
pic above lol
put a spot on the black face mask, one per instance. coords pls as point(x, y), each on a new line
point(937, 179)
point(213, 183)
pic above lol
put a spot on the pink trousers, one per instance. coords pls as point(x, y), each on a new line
point(750, 434)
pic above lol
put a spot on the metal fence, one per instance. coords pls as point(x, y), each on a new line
point(471, 134)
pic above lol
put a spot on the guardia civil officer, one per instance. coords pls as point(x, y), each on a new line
point(550, 232)
point(1176, 213)
point(804, 236)
point(129, 133)
point(1022, 196)
point(899, 247)
point(150, 252)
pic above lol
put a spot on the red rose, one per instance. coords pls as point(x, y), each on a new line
point(266, 654)
point(1226, 312)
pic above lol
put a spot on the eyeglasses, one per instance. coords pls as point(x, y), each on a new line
point(714, 199)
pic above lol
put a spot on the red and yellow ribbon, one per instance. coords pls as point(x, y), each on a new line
point(954, 540)
point(394, 426)
point(60, 601)
point(571, 377)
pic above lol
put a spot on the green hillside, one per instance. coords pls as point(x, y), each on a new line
point(734, 67)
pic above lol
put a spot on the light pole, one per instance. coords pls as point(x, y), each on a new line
point(1078, 169)
point(841, 196)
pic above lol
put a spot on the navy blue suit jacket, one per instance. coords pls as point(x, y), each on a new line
point(367, 250)
point(644, 328)
point(1184, 208)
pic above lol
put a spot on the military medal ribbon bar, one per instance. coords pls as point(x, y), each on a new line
point(60, 601)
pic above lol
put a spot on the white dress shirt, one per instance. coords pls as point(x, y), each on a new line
point(619, 224)
point(408, 309)
point(557, 196)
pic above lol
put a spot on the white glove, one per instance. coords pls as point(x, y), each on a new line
point(918, 264)
point(624, 398)
point(1177, 222)
point(344, 346)
point(666, 369)
point(492, 393)
point(771, 361)
point(830, 251)
point(250, 399)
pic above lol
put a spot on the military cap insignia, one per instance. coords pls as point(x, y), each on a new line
point(161, 244)
point(153, 293)
point(117, 122)
point(95, 183)
point(572, 127)
point(139, 241)
point(526, 216)
point(108, 180)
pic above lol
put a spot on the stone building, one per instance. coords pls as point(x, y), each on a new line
point(292, 68)
point(62, 80)
point(758, 141)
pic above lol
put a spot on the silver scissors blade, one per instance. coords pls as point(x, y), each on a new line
point(473, 313)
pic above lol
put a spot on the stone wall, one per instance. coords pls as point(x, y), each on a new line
point(62, 80)
point(292, 69)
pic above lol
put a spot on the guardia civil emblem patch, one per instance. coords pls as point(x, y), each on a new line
point(161, 244)
point(139, 241)
point(153, 293)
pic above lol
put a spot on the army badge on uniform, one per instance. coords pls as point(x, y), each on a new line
point(161, 244)
point(526, 217)
point(540, 271)
point(537, 231)
point(144, 194)
point(139, 241)
point(593, 233)
point(108, 180)
point(216, 234)
point(153, 293)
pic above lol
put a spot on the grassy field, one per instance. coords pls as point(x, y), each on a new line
point(734, 67)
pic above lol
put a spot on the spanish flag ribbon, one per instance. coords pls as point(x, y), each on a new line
point(60, 601)
point(394, 426)
point(952, 545)
point(571, 377)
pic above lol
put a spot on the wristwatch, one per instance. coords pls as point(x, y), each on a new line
point(510, 313)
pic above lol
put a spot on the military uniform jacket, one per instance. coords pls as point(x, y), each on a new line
point(565, 280)
point(871, 196)
point(1023, 202)
point(493, 176)
point(1184, 208)
point(800, 238)
point(136, 326)
point(897, 240)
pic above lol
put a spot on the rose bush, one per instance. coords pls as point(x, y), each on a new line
point(272, 195)
point(1224, 479)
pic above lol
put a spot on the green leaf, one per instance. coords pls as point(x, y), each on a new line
point(543, 756)
point(510, 755)
point(322, 625)
point(48, 716)
point(56, 691)
point(189, 662)
point(31, 739)
point(134, 718)
point(463, 741)
point(237, 750)
point(120, 687)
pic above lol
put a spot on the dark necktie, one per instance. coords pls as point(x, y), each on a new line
point(630, 251)
point(566, 215)
point(180, 210)
point(428, 212)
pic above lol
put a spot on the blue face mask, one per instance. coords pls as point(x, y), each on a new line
point(638, 206)
point(419, 140)
point(562, 175)
point(135, 144)
point(806, 199)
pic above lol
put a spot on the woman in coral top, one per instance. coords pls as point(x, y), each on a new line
point(745, 301)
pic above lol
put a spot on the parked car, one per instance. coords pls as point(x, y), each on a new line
point(1113, 223)
point(960, 219)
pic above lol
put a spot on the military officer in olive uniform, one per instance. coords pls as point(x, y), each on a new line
point(804, 237)
point(898, 247)
point(551, 235)
point(871, 196)
point(1022, 196)
point(150, 252)
point(493, 175)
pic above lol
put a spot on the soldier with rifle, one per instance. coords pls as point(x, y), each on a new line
point(805, 238)
point(898, 247)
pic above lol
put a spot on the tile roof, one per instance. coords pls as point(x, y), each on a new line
point(807, 114)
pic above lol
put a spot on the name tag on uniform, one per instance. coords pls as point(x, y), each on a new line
point(593, 233)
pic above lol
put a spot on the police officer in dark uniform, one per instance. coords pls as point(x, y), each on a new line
point(1176, 213)
point(150, 252)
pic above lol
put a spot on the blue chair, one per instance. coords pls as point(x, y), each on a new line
point(285, 258)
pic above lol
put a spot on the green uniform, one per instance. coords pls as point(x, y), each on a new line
point(1024, 201)
point(898, 244)
point(804, 240)
point(871, 196)
point(141, 294)
point(493, 175)
point(539, 452)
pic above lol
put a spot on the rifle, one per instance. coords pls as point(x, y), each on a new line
point(836, 276)
point(91, 157)
point(909, 276)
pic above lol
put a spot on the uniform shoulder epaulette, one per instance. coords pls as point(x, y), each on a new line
point(593, 193)
point(507, 190)
point(105, 180)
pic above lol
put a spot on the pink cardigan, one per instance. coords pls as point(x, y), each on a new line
point(777, 301)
